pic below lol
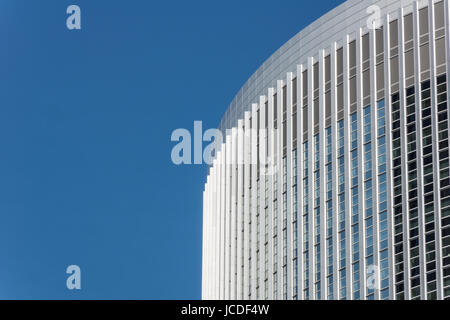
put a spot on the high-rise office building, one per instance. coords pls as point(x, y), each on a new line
point(333, 180)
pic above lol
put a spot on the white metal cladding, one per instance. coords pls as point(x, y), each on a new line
point(333, 182)
point(344, 20)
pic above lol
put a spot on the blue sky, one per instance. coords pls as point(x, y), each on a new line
point(86, 117)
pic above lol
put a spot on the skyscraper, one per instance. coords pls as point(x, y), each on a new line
point(333, 180)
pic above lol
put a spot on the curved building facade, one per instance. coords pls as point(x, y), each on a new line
point(332, 181)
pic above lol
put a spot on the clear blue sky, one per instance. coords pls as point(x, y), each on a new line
point(85, 122)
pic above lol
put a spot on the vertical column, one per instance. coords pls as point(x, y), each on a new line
point(227, 218)
point(334, 169)
point(262, 188)
point(402, 89)
point(222, 220)
point(209, 224)
point(437, 200)
point(214, 229)
point(210, 227)
point(240, 211)
point(375, 202)
point(254, 160)
point(233, 218)
point(205, 245)
point(209, 237)
point(271, 172)
point(361, 167)
point(300, 176)
point(247, 213)
point(288, 137)
point(347, 152)
point(418, 111)
point(218, 223)
point(279, 173)
point(387, 90)
point(311, 174)
point(323, 172)
point(447, 34)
